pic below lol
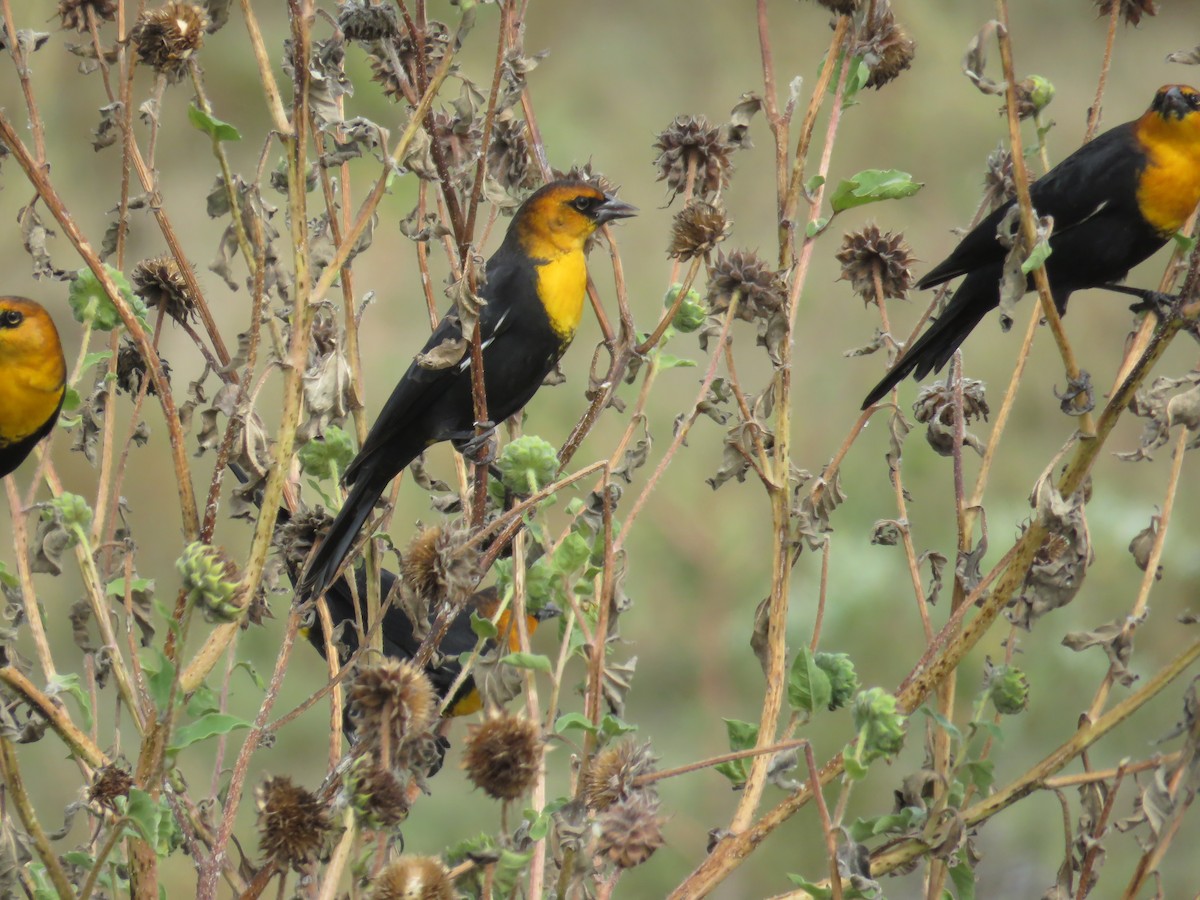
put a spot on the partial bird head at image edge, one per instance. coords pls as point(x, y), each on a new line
point(33, 376)
point(1115, 201)
point(534, 296)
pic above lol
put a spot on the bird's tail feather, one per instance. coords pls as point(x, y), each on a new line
point(340, 537)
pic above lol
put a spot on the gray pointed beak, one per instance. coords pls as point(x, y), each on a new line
point(1174, 103)
point(612, 208)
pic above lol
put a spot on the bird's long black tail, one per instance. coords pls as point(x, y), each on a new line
point(933, 349)
point(338, 540)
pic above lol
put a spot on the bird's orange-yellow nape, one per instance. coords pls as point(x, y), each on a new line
point(1169, 133)
point(32, 368)
point(553, 227)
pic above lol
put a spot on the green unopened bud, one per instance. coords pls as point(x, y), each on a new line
point(1041, 92)
point(691, 313)
point(328, 457)
point(73, 510)
point(842, 677)
point(1008, 689)
point(527, 464)
point(211, 581)
point(879, 724)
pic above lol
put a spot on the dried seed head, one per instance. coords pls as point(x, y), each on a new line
point(841, 7)
point(508, 157)
point(111, 782)
point(160, 283)
point(885, 47)
point(166, 37)
point(998, 180)
point(503, 755)
point(691, 140)
point(377, 796)
point(870, 254)
point(294, 539)
point(367, 22)
point(759, 287)
point(613, 772)
point(74, 13)
point(394, 698)
point(1131, 10)
point(413, 878)
point(439, 565)
point(1052, 549)
point(587, 175)
point(697, 230)
point(1033, 95)
point(131, 370)
point(434, 41)
point(211, 581)
point(630, 831)
point(458, 137)
point(292, 823)
point(935, 402)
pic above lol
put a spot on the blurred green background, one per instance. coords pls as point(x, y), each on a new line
point(617, 73)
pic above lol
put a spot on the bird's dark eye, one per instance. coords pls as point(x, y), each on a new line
point(10, 318)
point(583, 204)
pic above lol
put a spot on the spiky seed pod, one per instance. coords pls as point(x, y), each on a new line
point(841, 7)
point(688, 139)
point(1131, 10)
point(212, 581)
point(439, 565)
point(367, 22)
point(111, 782)
point(760, 288)
point(630, 831)
point(376, 795)
point(885, 47)
point(294, 539)
point(508, 158)
point(870, 254)
point(412, 877)
point(394, 698)
point(503, 755)
point(166, 37)
point(935, 402)
point(998, 179)
point(160, 283)
point(293, 824)
point(131, 370)
point(74, 13)
point(527, 464)
point(613, 772)
point(697, 229)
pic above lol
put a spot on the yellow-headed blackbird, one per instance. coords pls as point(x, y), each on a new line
point(33, 377)
point(1115, 201)
point(399, 641)
point(533, 296)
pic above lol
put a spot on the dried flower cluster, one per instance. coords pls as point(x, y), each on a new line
point(394, 698)
point(440, 566)
point(411, 877)
point(885, 46)
point(876, 264)
point(74, 13)
point(759, 287)
point(293, 825)
point(1131, 10)
point(503, 755)
point(697, 229)
point(131, 370)
point(166, 37)
point(161, 284)
point(690, 142)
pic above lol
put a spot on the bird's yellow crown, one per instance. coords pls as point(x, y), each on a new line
point(32, 368)
point(1169, 133)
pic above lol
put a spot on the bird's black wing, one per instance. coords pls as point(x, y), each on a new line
point(1097, 176)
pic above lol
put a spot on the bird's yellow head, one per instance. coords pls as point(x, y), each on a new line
point(29, 340)
point(560, 217)
point(1169, 135)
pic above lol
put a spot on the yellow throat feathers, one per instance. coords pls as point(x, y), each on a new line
point(1170, 185)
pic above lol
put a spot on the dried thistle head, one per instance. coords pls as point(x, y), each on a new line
point(131, 370)
point(377, 796)
point(1131, 10)
point(885, 46)
point(166, 37)
point(431, 47)
point(161, 283)
point(439, 565)
point(394, 698)
point(587, 175)
point(690, 141)
point(294, 539)
point(458, 136)
point(111, 783)
point(74, 13)
point(841, 7)
point(935, 402)
point(411, 877)
point(508, 158)
point(367, 22)
point(760, 288)
point(697, 229)
point(503, 755)
point(613, 772)
point(870, 257)
point(630, 831)
point(998, 182)
point(292, 823)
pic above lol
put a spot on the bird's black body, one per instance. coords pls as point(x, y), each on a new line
point(1101, 230)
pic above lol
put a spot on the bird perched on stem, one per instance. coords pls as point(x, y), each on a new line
point(533, 301)
point(33, 379)
point(1114, 201)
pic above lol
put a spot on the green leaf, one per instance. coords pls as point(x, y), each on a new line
point(90, 303)
point(539, 824)
point(742, 736)
point(808, 688)
point(535, 661)
point(1041, 251)
point(667, 361)
point(855, 770)
point(612, 726)
point(1184, 243)
point(204, 728)
point(893, 823)
point(963, 877)
point(871, 186)
point(7, 578)
point(982, 774)
point(484, 627)
point(811, 888)
point(329, 457)
point(816, 226)
point(143, 814)
point(93, 359)
point(572, 553)
point(212, 126)
point(813, 183)
point(573, 720)
point(70, 684)
point(159, 676)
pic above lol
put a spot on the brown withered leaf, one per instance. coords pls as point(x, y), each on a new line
point(811, 509)
point(1061, 562)
point(974, 60)
point(1162, 405)
point(1185, 57)
point(1143, 543)
point(887, 532)
point(937, 562)
point(1115, 638)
